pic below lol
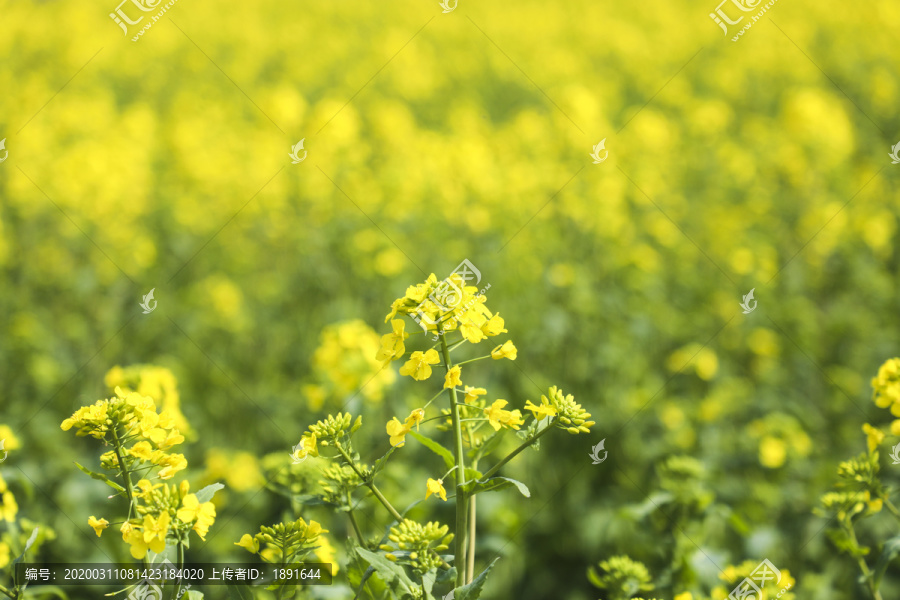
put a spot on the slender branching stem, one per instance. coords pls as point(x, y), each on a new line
point(462, 505)
point(370, 484)
point(513, 454)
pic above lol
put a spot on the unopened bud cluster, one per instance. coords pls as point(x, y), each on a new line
point(571, 416)
point(417, 539)
point(332, 428)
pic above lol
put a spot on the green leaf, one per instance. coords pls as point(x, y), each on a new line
point(207, 493)
point(428, 580)
point(432, 445)
point(193, 595)
point(472, 591)
point(21, 557)
point(888, 552)
point(101, 477)
point(52, 590)
point(388, 570)
point(239, 592)
point(488, 446)
point(495, 484)
point(381, 462)
point(446, 575)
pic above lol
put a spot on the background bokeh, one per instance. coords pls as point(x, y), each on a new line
point(433, 138)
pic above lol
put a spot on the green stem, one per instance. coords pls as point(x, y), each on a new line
point(867, 575)
point(180, 562)
point(371, 485)
point(129, 486)
point(353, 522)
point(893, 509)
point(462, 508)
point(465, 362)
point(513, 454)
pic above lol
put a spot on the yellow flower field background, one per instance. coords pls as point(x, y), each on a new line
point(432, 138)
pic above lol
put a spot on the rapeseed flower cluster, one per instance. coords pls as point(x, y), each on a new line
point(886, 390)
point(141, 439)
point(344, 364)
point(418, 545)
point(156, 382)
point(284, 542)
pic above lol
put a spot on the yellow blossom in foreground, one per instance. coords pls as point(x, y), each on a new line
point(392, 346)
point(326, 554)
point(415, 417)
point(498, 417)
point(306, 447)
point(248, 542)
point(192, 510)
point(8, 507)
point(874, 436)
point(472, 393)
point(684, 596)
point(452, 378)
point(11, 442)
point(397, 431)
point(98, 525)
point(540, 410)
point(505, 350)
point(419, 364)
point(435, 486)
point(142, 450)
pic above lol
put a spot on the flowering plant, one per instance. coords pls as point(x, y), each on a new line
point(412, 558)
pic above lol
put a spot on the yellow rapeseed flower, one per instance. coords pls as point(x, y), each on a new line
point(874, 436)
point(8, 507)
point(452, 378)
point(435, 486)
point(540, 410)
point(415, 417)
point(98, 524)
point(142, 450)
point(306, 447)
point(248, 542)
point(499, 417)
point(472, 393)
point(397, 431)
point(192, 510)
point(418, 366)
point(392, 346)
point(505, 350)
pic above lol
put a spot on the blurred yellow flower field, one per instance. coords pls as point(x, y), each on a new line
point(310, 282)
